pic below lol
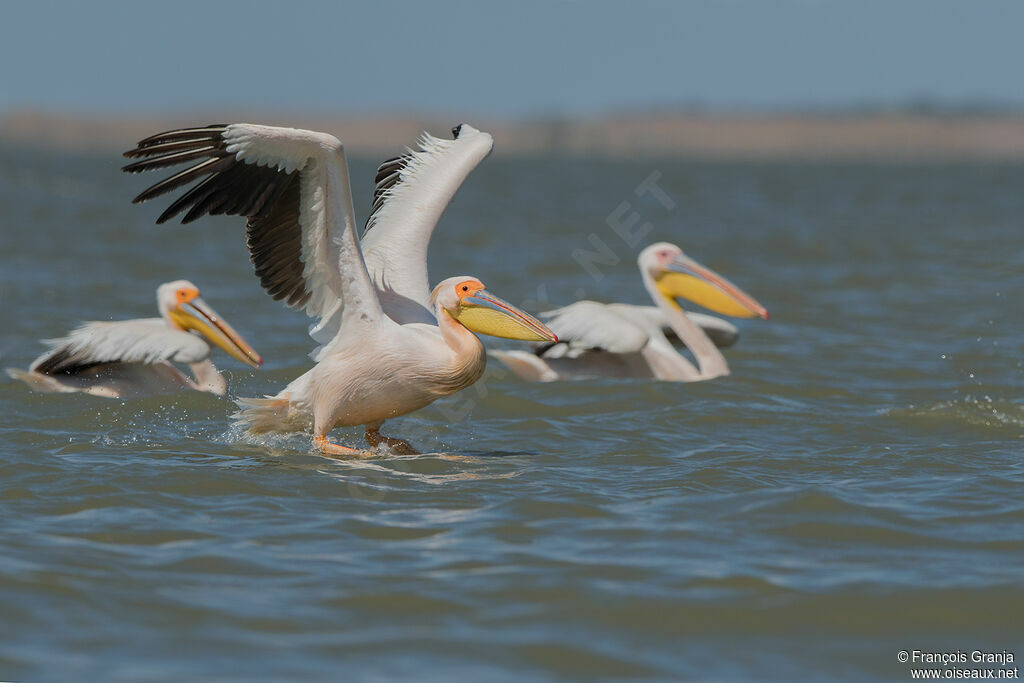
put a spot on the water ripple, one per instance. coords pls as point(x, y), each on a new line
point(858, 479)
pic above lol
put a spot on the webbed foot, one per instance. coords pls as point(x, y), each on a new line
point(399, 446)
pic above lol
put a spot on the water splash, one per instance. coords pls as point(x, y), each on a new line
point(999, 414)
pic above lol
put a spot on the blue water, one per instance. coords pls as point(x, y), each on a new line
point(854, 488)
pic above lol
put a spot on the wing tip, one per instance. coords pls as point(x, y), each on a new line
point(178, 133)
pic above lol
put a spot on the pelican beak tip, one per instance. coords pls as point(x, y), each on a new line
point(197, 315)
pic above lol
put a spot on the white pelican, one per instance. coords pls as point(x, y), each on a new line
point(623, 340)
point(389, 345)
point(134, 357)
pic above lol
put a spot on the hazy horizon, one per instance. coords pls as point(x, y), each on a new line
point(526, 61)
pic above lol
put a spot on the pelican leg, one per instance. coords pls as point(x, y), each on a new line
point(321, 444)
point(399, 446)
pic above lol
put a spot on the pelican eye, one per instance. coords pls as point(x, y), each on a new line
point(186, 295)
point(466, 288)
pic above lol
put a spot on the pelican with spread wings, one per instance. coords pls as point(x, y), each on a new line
point(136, 357)
point(624, 340)
point(389, 344)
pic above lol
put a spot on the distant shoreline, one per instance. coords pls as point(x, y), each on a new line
point(871, 136)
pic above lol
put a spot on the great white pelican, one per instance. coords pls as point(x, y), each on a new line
point(136, 357)
point(389, 344)
point(624, 340)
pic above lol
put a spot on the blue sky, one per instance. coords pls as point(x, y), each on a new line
point(510, 59)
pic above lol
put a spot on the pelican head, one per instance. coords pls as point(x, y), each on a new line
point(678, 276)
point(181, 306)
point(465, 299)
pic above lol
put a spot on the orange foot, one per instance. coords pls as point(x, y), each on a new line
point(321, 444)
point(399, 446)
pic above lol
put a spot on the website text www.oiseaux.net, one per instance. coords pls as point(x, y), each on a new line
point(960, 665)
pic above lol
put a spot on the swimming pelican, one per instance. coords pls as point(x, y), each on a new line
point(135, 357)
point(389, 344)
point(623, 340)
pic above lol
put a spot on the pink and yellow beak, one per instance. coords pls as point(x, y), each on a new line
point(194, 314)
point(487, 314)
point(684, 278)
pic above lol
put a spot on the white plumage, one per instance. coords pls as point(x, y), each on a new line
point(398, 233)
point(134, 357)
point(624, 340)
point(389, 345)
point(145, 340)
point(588, 325)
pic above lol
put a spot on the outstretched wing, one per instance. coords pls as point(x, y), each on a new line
point(145, 341)
point(292, 185)
point(587, 325)
point(411, 193)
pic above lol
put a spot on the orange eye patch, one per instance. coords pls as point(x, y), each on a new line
point(185, 295)
point(467, 288)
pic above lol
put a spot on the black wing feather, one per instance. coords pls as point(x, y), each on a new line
point(276, 250)
point(63, 361)
point(388, 175)
point(266, 196)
